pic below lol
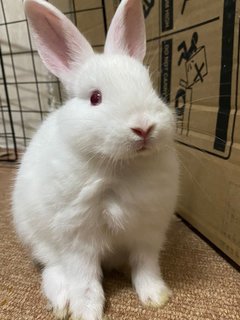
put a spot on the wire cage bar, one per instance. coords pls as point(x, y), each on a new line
point(7, 134)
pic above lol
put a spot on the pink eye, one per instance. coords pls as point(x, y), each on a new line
point(96, 98)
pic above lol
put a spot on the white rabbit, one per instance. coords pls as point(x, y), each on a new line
point(99, 180)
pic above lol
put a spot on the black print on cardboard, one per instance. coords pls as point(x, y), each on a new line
point(147, 7)
point(166, 63)
point(180, 102)
point(167, 15)
point(184, 6)
point(187, 53)
point(195, 62)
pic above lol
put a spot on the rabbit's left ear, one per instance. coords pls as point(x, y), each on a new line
point(127, 34)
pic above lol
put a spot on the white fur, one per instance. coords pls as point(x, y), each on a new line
point(84, 196)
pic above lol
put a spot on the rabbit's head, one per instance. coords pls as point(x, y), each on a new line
point(113, 110)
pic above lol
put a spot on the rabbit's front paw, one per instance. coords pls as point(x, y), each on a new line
point(72, 301)
point(154, 294)
point(61, 313)
point(86, 303)
point(55, 288)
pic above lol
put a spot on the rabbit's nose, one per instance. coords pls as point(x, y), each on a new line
point(143, 133)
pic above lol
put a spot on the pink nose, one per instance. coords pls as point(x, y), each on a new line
point(143, 133)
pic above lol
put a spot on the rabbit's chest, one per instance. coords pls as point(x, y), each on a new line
point(116, 204)
point(99, 204)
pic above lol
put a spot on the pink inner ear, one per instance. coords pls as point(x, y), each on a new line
point(55, 45)
point(134, 33)
point(58, 41)
point(126, 34)
point(50, 40)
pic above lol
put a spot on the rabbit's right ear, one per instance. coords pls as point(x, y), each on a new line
point(60, 45)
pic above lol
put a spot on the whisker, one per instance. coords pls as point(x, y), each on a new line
point(181, 160)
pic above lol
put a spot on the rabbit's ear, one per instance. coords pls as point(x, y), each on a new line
point(127, 34)
point(58, 41)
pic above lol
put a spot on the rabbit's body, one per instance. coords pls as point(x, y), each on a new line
point(64, 193)
point(98, 183)
point(61, 199)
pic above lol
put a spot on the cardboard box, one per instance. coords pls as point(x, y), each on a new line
point(200, 79)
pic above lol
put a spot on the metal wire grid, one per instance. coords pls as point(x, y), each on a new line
point(7, 134)
point(28, 94)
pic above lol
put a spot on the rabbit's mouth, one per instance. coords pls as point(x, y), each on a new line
point(142, 148)
point(143, 145)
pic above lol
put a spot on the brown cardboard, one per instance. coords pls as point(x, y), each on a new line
point(210, 180)
point(209, 198)
point(203, 105)
point(186, 13)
